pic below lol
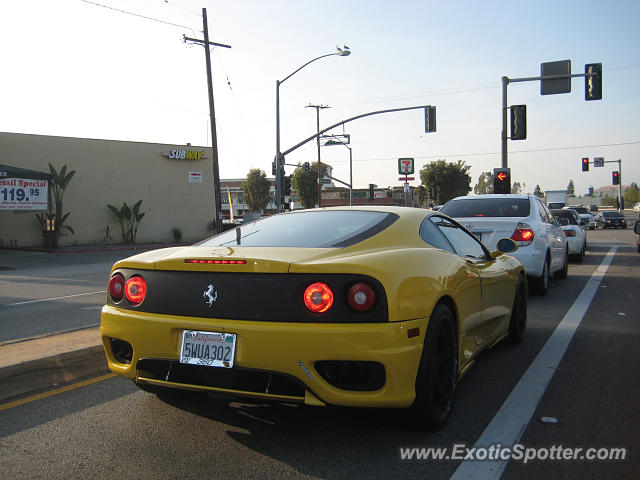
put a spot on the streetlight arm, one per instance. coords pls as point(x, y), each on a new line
point(310, 61)
point(312, 137)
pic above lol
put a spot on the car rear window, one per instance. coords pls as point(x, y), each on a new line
point(612, 214)
point(311, 229)
point(487, 207)
point(564, 214)
point(582, 210)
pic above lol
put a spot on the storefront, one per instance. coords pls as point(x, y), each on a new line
point(174, 183)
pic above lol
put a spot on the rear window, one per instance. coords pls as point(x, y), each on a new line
point(487, 207)
point(612, 214)
point(312, 229)
point(565, 214)
point(582, 210)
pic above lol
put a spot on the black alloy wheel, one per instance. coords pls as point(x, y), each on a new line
point(438, 371)
point(518, 320)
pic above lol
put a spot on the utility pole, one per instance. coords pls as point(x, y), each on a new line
point(318, 108)
point(212, 113)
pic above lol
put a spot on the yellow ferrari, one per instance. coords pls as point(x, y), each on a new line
point(354, 306)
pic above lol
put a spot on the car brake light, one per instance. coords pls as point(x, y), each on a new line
point(569, 233)
point(523, 233)
point(318, 297)
point(136, 290)
point(361, 297)
point(216, 262)
point(116, 286)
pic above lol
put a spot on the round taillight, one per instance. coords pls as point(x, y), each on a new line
point(136, 290)
point(116, 287)
point(318, 297)
point(361, 297)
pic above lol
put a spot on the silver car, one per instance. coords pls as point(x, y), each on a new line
point(543, 248)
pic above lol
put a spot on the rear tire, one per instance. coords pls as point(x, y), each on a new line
point(518, 320)
point(541, 284)
point(438, 371)
point(562, 274)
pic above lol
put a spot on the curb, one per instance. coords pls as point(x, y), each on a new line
point(30, 377)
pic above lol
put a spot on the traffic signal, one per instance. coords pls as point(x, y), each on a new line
point(501, 180)
point(371, 192)
point(307, 168)
point(585, 164)
point(593, 84)
point(518, 122)
point(273, 168)
point(430, 119)
point(286, 188)
point(615, 177)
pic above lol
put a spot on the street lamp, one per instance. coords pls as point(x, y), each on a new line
point(341, 52)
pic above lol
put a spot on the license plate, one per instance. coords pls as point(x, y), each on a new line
point(211, 349)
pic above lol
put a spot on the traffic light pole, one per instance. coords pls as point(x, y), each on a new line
point(620, 184)
point(505, 83)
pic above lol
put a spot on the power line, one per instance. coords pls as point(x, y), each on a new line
point(496, 153)
point(137, 15)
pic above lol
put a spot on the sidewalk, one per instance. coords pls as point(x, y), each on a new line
point(68, 356)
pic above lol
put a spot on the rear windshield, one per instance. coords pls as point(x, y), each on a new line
point(487, 207)
point(582, 210)
point(564, 214)
point(612, 214)
point(312, 229)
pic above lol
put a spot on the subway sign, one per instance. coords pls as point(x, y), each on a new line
point(185, 154)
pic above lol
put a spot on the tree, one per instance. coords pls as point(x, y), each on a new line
point(445, 181)
point(517, 188)
point(571, 189)
point(256, 190)
point(306, 184)
point(538, 192)
point(59, 183)
point(632, 194)
point(485, 184)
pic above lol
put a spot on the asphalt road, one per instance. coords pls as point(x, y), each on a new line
point(45, 293)
point(110, 429)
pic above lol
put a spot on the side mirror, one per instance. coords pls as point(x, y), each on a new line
point(582, 224)
point(636, 228)
point(505, 245)
point(563, 221)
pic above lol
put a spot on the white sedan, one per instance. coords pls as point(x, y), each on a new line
point(543, 247)
point(573, 230)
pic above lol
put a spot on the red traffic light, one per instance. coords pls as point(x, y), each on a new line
point(615, 177)
point(585, 164)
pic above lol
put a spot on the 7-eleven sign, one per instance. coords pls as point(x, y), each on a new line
point(405, 166)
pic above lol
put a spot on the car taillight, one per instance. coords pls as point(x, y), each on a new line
point(116, 287)
point(361, 297)
point(569, 233)
point(318, 297)
point(136, 289)
point(523, 233)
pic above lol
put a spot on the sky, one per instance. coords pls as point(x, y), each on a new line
point(119, 70)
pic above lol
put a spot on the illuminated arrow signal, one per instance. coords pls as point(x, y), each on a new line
point(501, 180)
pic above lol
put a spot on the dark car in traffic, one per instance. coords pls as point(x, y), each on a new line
point(611, 219)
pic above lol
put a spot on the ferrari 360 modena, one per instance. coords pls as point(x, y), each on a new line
point(347, 306)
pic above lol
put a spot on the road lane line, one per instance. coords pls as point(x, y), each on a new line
point(509, 423)
point(57, 391)
point(53, 298)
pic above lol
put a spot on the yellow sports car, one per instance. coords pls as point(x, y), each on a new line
point(354, 306)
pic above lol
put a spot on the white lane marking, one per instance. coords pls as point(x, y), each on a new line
point(54, 298)
point(510, 422)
